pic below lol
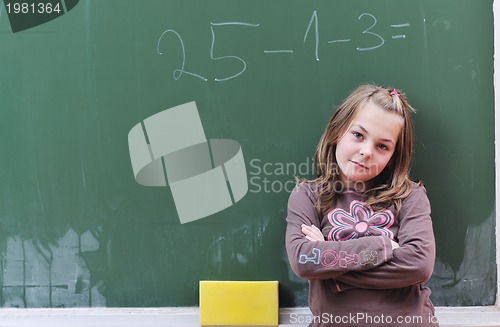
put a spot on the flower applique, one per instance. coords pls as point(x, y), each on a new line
point(361, 221)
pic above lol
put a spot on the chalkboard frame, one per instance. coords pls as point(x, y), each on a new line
point(481, 314)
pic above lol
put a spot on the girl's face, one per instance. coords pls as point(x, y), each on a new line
point(367, 147)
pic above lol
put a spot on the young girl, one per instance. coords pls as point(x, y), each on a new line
point(361, 232)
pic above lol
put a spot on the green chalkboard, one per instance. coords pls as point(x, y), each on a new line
point(82, 225)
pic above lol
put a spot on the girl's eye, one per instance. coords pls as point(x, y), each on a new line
point(357, 135)
point(383, 147)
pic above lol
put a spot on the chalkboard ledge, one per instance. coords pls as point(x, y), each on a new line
point(161, 317)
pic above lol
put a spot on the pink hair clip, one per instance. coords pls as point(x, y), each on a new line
point(394, 92)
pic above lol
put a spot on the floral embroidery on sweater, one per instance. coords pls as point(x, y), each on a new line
point(361, 221)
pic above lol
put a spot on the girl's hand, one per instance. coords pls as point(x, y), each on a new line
point(394, 245)
point(312, 233)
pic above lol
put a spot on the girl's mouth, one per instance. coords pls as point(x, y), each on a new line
point(359, 164)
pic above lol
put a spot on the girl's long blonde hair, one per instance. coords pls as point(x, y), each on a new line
point(393, 184)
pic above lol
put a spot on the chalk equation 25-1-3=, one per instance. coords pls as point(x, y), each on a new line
point(373, 39)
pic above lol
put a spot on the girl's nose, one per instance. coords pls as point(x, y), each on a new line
point(365, 151)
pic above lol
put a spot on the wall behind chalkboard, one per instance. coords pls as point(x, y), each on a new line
point(78, 230)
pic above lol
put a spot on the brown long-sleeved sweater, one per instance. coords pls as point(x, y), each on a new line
point(355, 277)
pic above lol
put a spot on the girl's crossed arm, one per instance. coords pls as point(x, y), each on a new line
point(413, 262)
point(313, 233)
point(314, 258)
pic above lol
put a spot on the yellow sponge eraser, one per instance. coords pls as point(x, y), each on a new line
point(238, 303)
